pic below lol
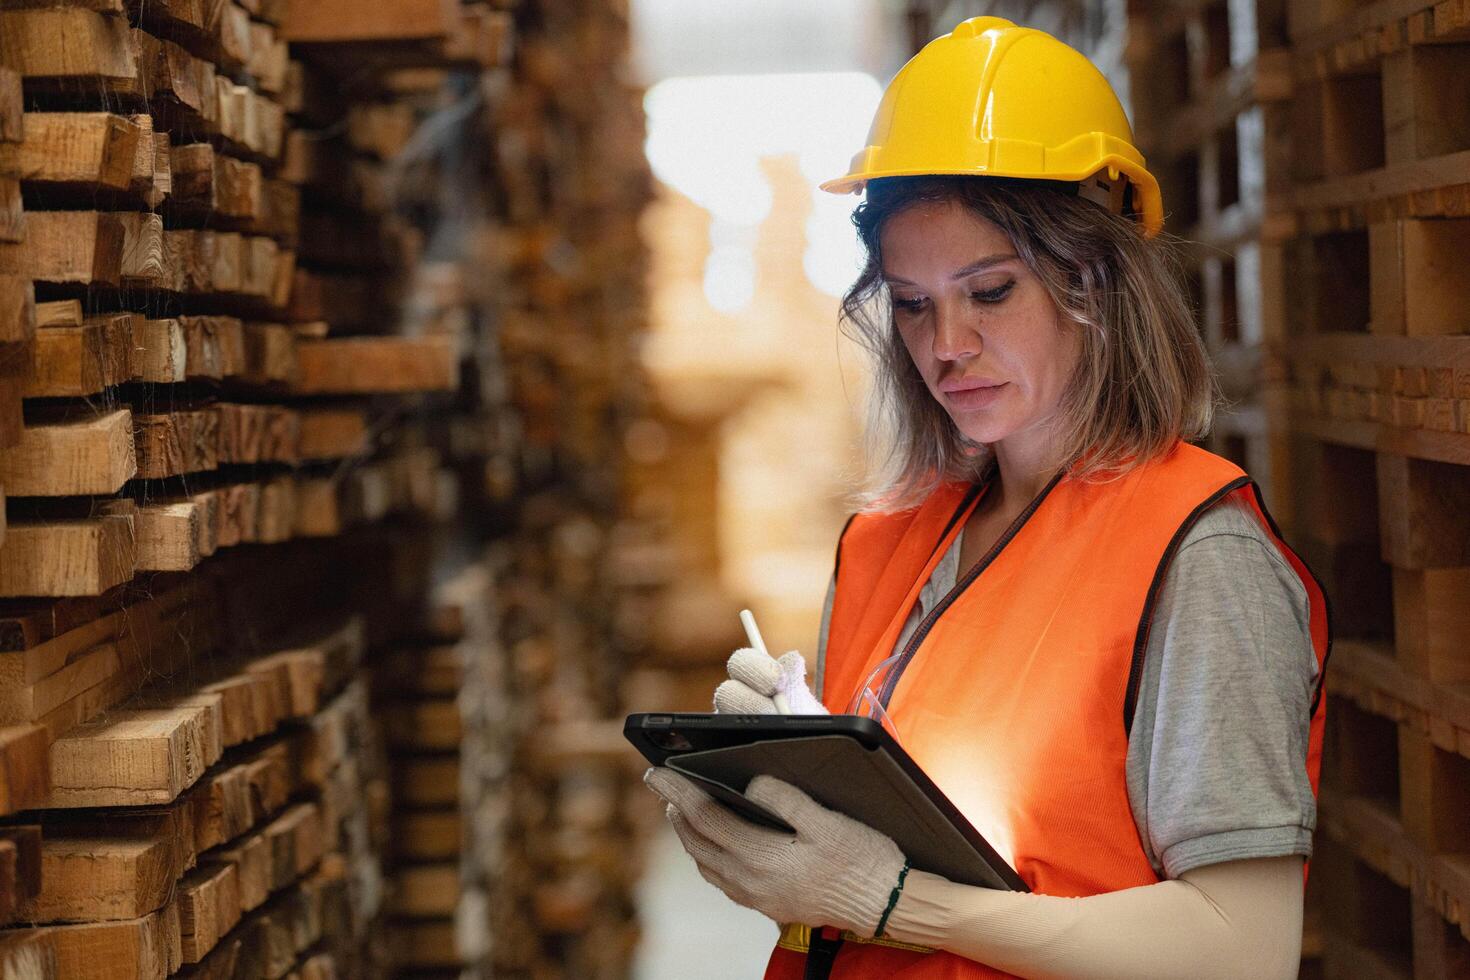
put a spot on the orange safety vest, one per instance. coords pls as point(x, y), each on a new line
point(1019, 694)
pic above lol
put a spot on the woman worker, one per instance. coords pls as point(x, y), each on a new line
point(1086, 630)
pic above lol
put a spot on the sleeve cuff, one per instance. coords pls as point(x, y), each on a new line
point(1235, 845)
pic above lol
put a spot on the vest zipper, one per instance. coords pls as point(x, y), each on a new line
point(964, 583)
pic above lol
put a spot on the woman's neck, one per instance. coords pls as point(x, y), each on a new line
point(1022, 472)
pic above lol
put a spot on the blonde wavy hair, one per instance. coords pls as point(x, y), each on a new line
point(1142, 380)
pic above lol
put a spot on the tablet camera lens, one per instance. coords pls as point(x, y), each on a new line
point(670, 741)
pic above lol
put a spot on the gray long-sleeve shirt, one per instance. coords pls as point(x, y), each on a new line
point(1216, 763)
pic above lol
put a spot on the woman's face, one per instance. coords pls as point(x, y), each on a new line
point(983, 332)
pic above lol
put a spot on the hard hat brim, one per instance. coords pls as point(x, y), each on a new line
point(1150, 199)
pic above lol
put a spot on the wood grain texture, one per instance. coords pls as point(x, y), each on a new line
point(177, 443)
point(67, 42)
point(96, 878)
point(66, 558)
point(88, 149)
point(88, 454)
point(17, 309)
point(81, 247)
point(86, 359)
point(135, 757)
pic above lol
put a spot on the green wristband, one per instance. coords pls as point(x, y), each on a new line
point(892, 899)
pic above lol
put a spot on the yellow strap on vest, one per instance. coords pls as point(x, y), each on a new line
point(798, 938)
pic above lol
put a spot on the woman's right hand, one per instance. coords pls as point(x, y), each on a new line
point(755, 681)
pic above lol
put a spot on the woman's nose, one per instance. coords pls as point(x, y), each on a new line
point(955, 335)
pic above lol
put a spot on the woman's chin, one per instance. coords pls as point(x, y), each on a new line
point(987, 432)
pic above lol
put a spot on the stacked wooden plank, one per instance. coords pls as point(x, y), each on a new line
point(1210, 85)
point(197, 471)
point(445, 701)
point(412, 141)
point(1380, 440)
point(232, 434)
point(209, 830)
point(569, 332)
point(17, 302)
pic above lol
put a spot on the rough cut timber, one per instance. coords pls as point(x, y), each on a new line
point(144, 948)
point(67, 558)
point(135, 757)
point(92, 454)
point(95, 878)
point(84, 247)
point(67, 42)
point(86, 149)
point(20, 867)
point(24, 776)
point(345, 20)
point(24, 702)
point(177, 443)
point(91, 356)
point(12, 106)
point(360, 365)
point(160, 352)
point(143, 257)
point(209, 182)
point(333, 433)
point(170, 536)
point(17, 309)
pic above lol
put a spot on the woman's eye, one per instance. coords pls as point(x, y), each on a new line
point(908, 305)
point(993, 295)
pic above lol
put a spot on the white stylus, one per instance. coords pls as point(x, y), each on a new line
point(753, 634)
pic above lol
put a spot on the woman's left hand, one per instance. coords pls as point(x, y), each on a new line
point(834, 871)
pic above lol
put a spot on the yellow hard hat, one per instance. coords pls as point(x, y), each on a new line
point(991, 98)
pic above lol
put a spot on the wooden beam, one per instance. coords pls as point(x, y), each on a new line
point(97, 878)
point(360, 365)
point(216, 346)
point(394, 20)
point(211, 183)
point(209, 907)
point(77, 361)
point(24, 774)
point(12, 106)
point(257, 433)
point(333, 433)
point(82, 247)
point(135, 757)
point(177, 443)
point(17, 309)
point(86, 149)
point(67, 42)
point(145, 948)
point(20, 867)
point(91, 454)
point(426, 891)
point(12, 210)
point(160, 351)
point(67, 558)
point(143, 257)
point(270, 353)
point(169, 536)
point(32, 701)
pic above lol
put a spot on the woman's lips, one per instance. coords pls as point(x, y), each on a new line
point(969, 399)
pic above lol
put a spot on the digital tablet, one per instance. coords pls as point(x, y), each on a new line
point(845, 762)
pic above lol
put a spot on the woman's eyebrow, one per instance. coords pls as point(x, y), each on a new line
point(979, 265)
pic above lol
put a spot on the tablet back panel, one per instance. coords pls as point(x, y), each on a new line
point(866, 784)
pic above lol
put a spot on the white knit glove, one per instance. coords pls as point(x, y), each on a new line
point(834, 871)
point(756, 679)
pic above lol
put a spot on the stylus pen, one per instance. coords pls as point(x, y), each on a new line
point(753, 634)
